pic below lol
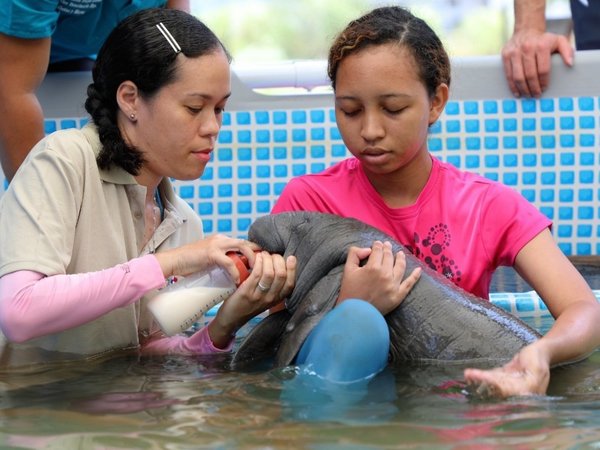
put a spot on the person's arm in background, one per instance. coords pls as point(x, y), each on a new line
point(527, 54)
point(183, 5)
point(23, 65)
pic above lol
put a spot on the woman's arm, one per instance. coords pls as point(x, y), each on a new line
point(246, 302)
point(197, 344)
point(34, 305)
point(527, 54)
point(23, 64)
point(183, 5)
point(72, 300)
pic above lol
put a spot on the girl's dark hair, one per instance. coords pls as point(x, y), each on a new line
point(393, 24)
point(136, 50)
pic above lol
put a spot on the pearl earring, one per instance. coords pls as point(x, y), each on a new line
point(132, 116)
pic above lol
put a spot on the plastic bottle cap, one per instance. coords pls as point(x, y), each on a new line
point(241, 262)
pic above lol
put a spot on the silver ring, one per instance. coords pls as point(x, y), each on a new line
point(263, 288)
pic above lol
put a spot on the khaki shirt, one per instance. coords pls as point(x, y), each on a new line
point(63, 215)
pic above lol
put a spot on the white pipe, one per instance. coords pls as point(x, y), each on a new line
point(307, 74)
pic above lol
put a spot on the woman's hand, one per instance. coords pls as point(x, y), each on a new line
point(271, 280)
point(204, 254)
point(380, 280)
point(526, 374)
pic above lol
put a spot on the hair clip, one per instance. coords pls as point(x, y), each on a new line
point(169, 37)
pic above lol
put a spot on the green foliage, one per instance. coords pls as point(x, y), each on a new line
point(275, 30)
point(271, 30)
point(480, 33)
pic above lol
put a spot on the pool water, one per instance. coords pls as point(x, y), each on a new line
point(196, 402)
point(179, 402)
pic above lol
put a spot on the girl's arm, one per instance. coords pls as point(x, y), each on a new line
point(574, 335)
point(568, 297)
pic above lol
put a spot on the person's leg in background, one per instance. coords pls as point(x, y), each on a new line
point(586, 24)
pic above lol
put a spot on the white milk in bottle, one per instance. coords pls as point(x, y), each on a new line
point(179, 305)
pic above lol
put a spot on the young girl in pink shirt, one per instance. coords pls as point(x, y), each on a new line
point(391, 78)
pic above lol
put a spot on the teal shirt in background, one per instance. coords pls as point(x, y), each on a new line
point(77, 27)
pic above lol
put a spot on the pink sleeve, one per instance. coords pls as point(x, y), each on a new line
point(33, 305)
point(197, 344)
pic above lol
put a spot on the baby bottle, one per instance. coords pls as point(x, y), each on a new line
point(187, 299)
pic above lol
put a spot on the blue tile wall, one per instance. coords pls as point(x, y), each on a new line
point(547, 149)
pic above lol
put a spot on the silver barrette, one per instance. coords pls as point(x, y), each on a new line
point(169, 37)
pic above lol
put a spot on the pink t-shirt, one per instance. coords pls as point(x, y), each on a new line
point(462, 225)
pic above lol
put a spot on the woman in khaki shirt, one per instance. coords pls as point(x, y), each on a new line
point(90, 226)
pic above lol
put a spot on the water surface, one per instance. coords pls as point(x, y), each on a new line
point(181, 402)
point(197, 402)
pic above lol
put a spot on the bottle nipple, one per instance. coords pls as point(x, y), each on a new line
point(241, 263)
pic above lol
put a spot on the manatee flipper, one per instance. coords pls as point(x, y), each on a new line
point(318, 243)
point(320, 300)
point(262, 342)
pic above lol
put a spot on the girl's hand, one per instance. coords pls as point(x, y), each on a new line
point(527, 373)
point(380, 280)
point(271, 280)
